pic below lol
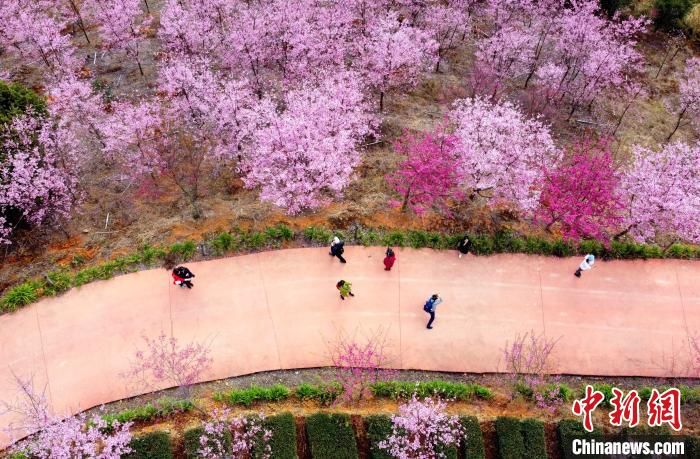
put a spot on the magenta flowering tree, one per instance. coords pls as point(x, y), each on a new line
point(502, 153)
point(581, 195)
point(167, 363)
point(122, 25)
point(662, 193)
point(248, 437)
point(529, 364)
point(40, 165)
point(422, 430)
point(395, 53)
point(428, 177)
point(359, 363)
point(689, 89)
point(55, 437)
point(310, 150)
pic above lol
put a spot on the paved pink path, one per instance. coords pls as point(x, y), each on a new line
point(277, 310)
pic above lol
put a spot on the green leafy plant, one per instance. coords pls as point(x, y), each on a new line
point(474, 439)
point(283, 443)
point(252, 394)
point(378, 429)
point(19, 295)
point(152, 445)
point(331, 436)
point(444, 389)
point(322, 393)
point(510, 440)
point(184, 250)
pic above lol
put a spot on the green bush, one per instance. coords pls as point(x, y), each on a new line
point(56, 282)
point(510, 439)
point(149, 254)
point(606, 389)
point(222, 242)
point(445, 389)
point(322, 393)
point(280, 232)
point(331, 436)
point(559, 391)
point(247, 397)
point(669, 14)
point(283, 442)
point(474, 439)
point(15, 99)
point(163, 407)
point(19, 295)
point(184, 250)
point(318, 235)
point(395, 239)
point(377, 428)
point(570, 429)
point(192, 445)
point(153, 445)
point(533, 439)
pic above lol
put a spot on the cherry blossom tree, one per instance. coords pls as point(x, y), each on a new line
point(422, 430)
point(689, 89)
point(359, 363)
point(39, 173)
point(447, 25)
point(581, 195)
point(167, 363)
point(662, 193)
point(310, 148)
point(428, 177)
point(395, 54)
point(54, 437)
point(248, 437)
point(502, 153)
point(122, 25)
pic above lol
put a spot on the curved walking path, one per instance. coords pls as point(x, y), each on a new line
point(277, 310)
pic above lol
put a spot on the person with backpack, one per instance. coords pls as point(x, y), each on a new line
point(183, 277)
point(464, 246)
point(430, 307)
point(337, 249)
point(345, 289)
point(389, 259)
point(585, 265)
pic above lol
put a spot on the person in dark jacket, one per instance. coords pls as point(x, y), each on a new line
point(183, 277)
point(389, 259)
point(337, 249)
point(464, 246)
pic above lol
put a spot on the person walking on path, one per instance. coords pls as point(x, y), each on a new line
point(337, 249)
point(389, 259)
point(464, 246)
point(585, 265)
point(430, 307)
point(345, 289)
point(182, 277)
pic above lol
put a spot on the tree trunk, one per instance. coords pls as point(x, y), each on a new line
point(678, 123)
point(148, 10)
point(381, 101)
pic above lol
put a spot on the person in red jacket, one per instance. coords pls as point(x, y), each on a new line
point(389, 259)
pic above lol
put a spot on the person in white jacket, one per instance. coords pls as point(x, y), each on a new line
point(585, 265)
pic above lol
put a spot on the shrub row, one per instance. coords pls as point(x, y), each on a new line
point(330, 436)
point(192, 444)
point(283, 442)
point(152, 445)
point(253, 394)
point(520, 439)
point(444, 389)
point(161, 408)
point(238, 240)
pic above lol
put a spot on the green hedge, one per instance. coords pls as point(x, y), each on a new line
point(570, 429)
point(377, 428)
point(247, 397)
point(192, 445)
point(510, 439)
point(153, 445)
point(331, 436)
point(445, 389)
point(243, 241)
point(533, 439)
point(474, 439)
point(284, 436)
